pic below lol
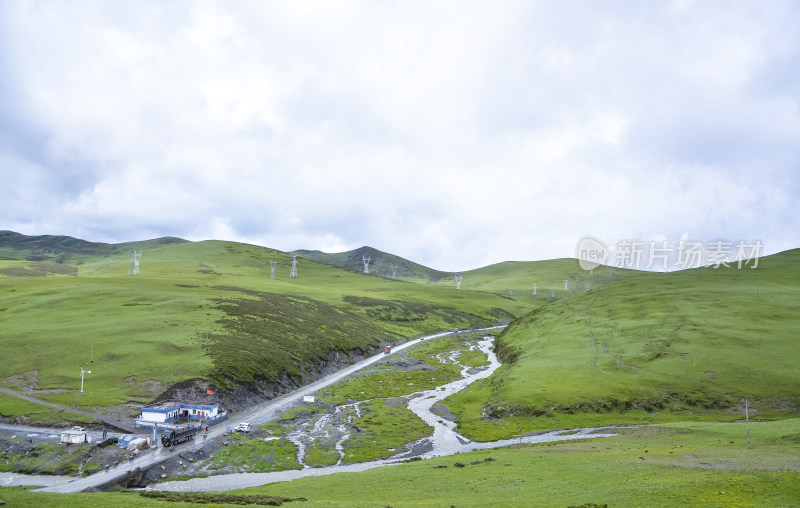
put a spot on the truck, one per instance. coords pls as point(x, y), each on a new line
point(178, 435)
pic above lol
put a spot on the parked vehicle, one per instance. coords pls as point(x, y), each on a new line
point(242, 427)
point(78, 428)
point(184, 433)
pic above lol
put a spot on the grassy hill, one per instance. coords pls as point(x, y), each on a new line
point(14, 246)
point(509, 278)
point(654, 347)
point(203, 310)
point(380, 265)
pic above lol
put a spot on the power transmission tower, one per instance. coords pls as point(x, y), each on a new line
point(394, 271)
point(366, 261)
point(534, 289)
point(566, 285)
point(459, 277)
point(135, 259)
point(272, 266)
point(293, 274)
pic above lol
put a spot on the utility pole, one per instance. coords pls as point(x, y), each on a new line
point(747, 419)
point(82, 372)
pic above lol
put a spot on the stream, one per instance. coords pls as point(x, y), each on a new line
point(443, 441)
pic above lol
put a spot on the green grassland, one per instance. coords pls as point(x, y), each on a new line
point(657, 347)
point(14, 407)
point(22, 496)
point(248, 455)
point(689, 464)
point(678, 351)
point(694, 464)
point(385, 425)
point(204, 310)
point(53, 459)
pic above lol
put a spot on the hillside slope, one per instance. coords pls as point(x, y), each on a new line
point(203, 314)
point(380, 264)
point(687, 342)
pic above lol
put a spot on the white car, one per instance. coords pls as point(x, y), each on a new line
point(242, 427)
point(79, 428)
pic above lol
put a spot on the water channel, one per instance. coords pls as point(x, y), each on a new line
point(442, 442)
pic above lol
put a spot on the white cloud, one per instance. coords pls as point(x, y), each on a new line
point(455, 134)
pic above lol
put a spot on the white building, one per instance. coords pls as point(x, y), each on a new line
point(173, 412)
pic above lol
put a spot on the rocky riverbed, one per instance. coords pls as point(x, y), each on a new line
point(334, 428)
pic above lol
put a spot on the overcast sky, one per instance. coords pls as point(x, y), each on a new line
point(455, 134)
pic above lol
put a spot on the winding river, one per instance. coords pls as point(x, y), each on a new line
point(442, 442)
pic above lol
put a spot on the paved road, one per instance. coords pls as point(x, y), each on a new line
point(103, 418)
point(44, 434)
point(260, 414)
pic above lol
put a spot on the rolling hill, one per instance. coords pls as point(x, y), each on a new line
point(686, 345)
point(380, 265)
point(206, 314)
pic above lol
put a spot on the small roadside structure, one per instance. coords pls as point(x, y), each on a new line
point(178, 412)
point(75, 437)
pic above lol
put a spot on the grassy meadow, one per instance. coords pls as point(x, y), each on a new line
point(676, 353)
point(204, 310)
point(690, 345)
point(687, 464)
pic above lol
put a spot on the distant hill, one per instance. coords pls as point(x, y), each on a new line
point(15, 246)
point(380, 265)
